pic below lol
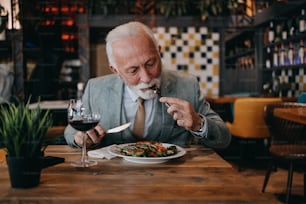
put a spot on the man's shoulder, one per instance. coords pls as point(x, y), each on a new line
point(105, 82)
point(179, 76)
point(105, 79)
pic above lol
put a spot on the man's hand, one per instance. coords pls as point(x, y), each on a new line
point(183, 113)
point(93, 136)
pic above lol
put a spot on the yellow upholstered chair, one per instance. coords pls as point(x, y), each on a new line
point(248, 122)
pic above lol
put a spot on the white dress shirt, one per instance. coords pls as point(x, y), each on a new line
point(130, 107)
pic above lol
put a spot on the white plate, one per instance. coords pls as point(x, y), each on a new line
point(115, 150)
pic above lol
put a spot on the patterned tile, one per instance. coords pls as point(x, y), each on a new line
point(193, 50)
point(296, 78)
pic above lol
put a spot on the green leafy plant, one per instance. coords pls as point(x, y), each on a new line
point(23, 130)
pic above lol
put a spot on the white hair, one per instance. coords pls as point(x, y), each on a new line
point(123, 31)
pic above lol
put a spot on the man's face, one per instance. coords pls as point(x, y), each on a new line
point(138, 63)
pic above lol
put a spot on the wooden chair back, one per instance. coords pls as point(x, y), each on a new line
point(284, 132)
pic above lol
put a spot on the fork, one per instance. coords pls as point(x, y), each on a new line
point(157, 91)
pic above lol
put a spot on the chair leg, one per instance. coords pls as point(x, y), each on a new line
point(268, 173)
point(289, 181)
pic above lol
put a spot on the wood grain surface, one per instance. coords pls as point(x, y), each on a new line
point(294, 114)
point(200, 176)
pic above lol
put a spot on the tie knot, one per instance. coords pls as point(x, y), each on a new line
point(140, 100)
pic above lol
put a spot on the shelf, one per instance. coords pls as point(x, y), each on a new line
point(250, 51)
point(276, 10)
point(295, 38)
point(284, 67)
point(110, 21)
point(237, 34)
point(257, 34)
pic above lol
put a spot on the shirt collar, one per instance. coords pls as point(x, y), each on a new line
point(131, 93)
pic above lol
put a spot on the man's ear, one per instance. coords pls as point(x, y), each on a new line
point(112, 69)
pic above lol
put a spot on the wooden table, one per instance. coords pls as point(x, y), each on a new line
point(201, 176)
point(297, 115)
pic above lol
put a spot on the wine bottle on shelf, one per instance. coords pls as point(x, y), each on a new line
point(278, 31)
point(296, 53)
point(268, 58)
point(271, 35)
point(275, 56)
point(286, 56)
point(291, 54)
point(302, 21)
point(285, 30)
point(293, 28)
point(252, 62)
point(304, 54)
point(282, 55)
point(301, 52)
point(80, 89)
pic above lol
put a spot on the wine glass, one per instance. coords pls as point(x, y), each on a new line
point(82, 120)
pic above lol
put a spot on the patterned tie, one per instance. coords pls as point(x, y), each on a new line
point(139, 119)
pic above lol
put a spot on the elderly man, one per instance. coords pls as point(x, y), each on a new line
point(179, 113)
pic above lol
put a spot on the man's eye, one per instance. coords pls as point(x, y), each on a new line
point(132, 70)
point(150, 64)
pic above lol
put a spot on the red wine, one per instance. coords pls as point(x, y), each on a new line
point(83, 125)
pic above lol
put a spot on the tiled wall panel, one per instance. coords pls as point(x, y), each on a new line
point(193, 50)
point(295, 77)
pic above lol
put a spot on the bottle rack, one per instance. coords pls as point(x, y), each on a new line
point(255, 79)
point(287, 46)
point(61, 15)
point(284, 55)
point(51, 37)
point(240, 52)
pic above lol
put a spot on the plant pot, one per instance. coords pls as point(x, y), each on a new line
point(24, 172)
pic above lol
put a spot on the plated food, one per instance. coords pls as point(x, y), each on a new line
point(148, 149)
point(147, 152)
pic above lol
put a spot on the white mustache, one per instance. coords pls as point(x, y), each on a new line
point(149, 93)
point(147, 85)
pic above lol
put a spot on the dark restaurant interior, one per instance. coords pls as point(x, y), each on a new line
point(249, 57)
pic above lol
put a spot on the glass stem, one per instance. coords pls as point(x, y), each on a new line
point(83, 159)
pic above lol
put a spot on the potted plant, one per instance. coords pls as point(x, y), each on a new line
point(22, 133)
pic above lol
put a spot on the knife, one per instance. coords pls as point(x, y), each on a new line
point(119, 128)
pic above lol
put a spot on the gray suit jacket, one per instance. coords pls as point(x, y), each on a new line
point(105, 94)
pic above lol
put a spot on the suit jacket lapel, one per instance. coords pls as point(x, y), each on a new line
point(121, 116)
point(116, 98)
point(163, 119)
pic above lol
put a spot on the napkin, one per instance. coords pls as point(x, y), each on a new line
point(101, 153)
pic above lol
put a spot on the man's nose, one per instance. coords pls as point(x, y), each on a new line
point(144, 75)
